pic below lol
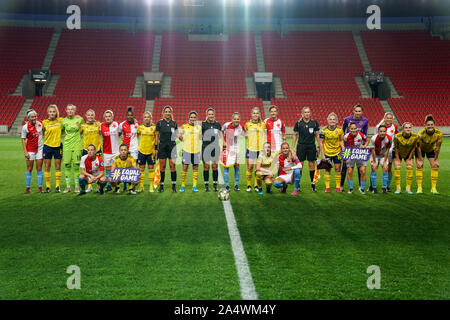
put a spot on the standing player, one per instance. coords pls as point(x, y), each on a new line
point(91, 170)
point(356, 139)
point(190, 134)
point(129, 130)
point(331, 144)
point(276, 129)
point(146, 151)
point(110, 131)
point(380, 150)
point(391, 130)
point(289, 168)
point(232, 132)
point(51, 130)
point(430, 139)
point(90, 131)
point(211, 134)
point(166, 134)
point(306, 132)
point(123, 160)
point(405, 144)
point(256, 136)
point(32, 149)
point(265, 166)
point(363, 126)
point(72, 146)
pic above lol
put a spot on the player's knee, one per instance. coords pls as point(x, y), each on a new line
point(435, 165)
point(68, 165)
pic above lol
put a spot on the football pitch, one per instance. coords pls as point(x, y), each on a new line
point(177, 246)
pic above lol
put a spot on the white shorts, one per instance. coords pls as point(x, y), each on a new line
point(35, 155)
point(379, 160)
point(108, 158)
point(359, 164)
point(287, 178)
point(134, 154)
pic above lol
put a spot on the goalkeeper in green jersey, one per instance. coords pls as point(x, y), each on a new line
point(72, 146)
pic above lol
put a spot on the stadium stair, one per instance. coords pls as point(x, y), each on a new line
point(50, 89)
point(394, 92)
point(259, 54)
point(18, 122)
point(251, 87)
point(137, 90)
point(362, 52)
point(279, 92)
point(266, 106)
point(149, 105)
point(362, 85)
point(18, 90)
point(51, 50)
point(166, 86)
point(156, 53)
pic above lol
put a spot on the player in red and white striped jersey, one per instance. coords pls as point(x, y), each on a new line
point(276, 129)
point(110, 131)
point(92, 170)
point(32, 147)
point(391, 130)
point(129, 130)
point(233, 132)
point(356, 139)
point(380, 146)
point(289, 167)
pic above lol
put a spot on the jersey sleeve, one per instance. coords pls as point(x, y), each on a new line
point(345, 125)
point(101, 166)
point(24, 133)
point(82, 164)
point(317, 127)
point(283, 127)
point(133, 162)
point(296, 127)
point(158, 126)
point(372, 142)
point(246, 126)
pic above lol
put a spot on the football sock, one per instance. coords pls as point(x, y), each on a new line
point(194, 178)
point(311, 175)
point(102, 185)
point(40, 178)
point(163, 177)
point(397, 178)
point(359, 178)
point(434, 177)
point(82, 184)
point(419, 178)
point(237, 174)
point(297, 178)
point(226, 172)
point(206, 176)
point(389, 179)
point(373, 179)
point(183, 178)
point(151, 177)
point(215, 176)
point(76, 172)
point(173, 177)
point(385, 179)
point(28, 179)
point(268, 187)
point(249, 177)
point(47, 179)
point(107, 174)
point(338, 180)
point(363, 185)
point(278, 185)
point(350, 184)
point(259, 181)
point(327, 179)
point(409, 177)
point(342, 176)
point(142, 179)
point(68, 173)
point(58, 175)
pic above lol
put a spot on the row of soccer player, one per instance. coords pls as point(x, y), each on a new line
point(42, 141)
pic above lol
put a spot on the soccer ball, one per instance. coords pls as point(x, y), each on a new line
point(224, 195)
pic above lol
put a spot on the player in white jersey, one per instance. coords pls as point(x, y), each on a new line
point(233, 132)
point(129, 130)
point(391, 130)
point(276, 129)
point(110, 131)
point(91, 170)
point(380, 146)
point(356, 139)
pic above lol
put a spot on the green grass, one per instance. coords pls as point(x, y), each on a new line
point(176, 246)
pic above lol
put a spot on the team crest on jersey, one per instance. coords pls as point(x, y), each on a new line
point(311, 130)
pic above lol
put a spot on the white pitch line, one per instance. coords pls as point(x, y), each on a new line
point(248, 291)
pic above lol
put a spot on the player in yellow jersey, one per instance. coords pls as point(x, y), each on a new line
point(430, 139)
point(123, 160)
point(264, 167)
point(52, 130)
point(146, 150)
point(331, 143)
point(90, 131)
point(405, 144)
point(256, 137)
point(191, 135)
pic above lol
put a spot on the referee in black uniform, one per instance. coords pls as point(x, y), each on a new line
point(166, 147)
point(211, 133)
point(306, 133)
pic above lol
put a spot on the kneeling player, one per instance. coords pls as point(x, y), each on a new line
point(123, 160)
point(289, 168)
point(356, 139)
point(92, 170)
point(264, 167)
point(380, 149)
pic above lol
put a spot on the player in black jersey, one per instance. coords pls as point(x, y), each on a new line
point(211, 134)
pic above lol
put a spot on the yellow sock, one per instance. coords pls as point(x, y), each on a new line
point(249, 178)
point(327, 179)
point(58, 175)
point(434, 177)
point(142, 179)
point(419, 178)
point(194, 178)
point(397, 178)
point(258, 181)
point(151, 178)
point(409, 177)
point(47, 176)
point(183, 178)
point(337, 176)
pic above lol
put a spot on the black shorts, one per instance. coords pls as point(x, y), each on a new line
point(144, 159)
point(167, 150)
point(191, 158)
point(429, 155)
point(405, 158)
point(337, 159)
point(306, 152)
point(252, 155)
point(209, 153)
point(99, 152)
point(50, 152)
